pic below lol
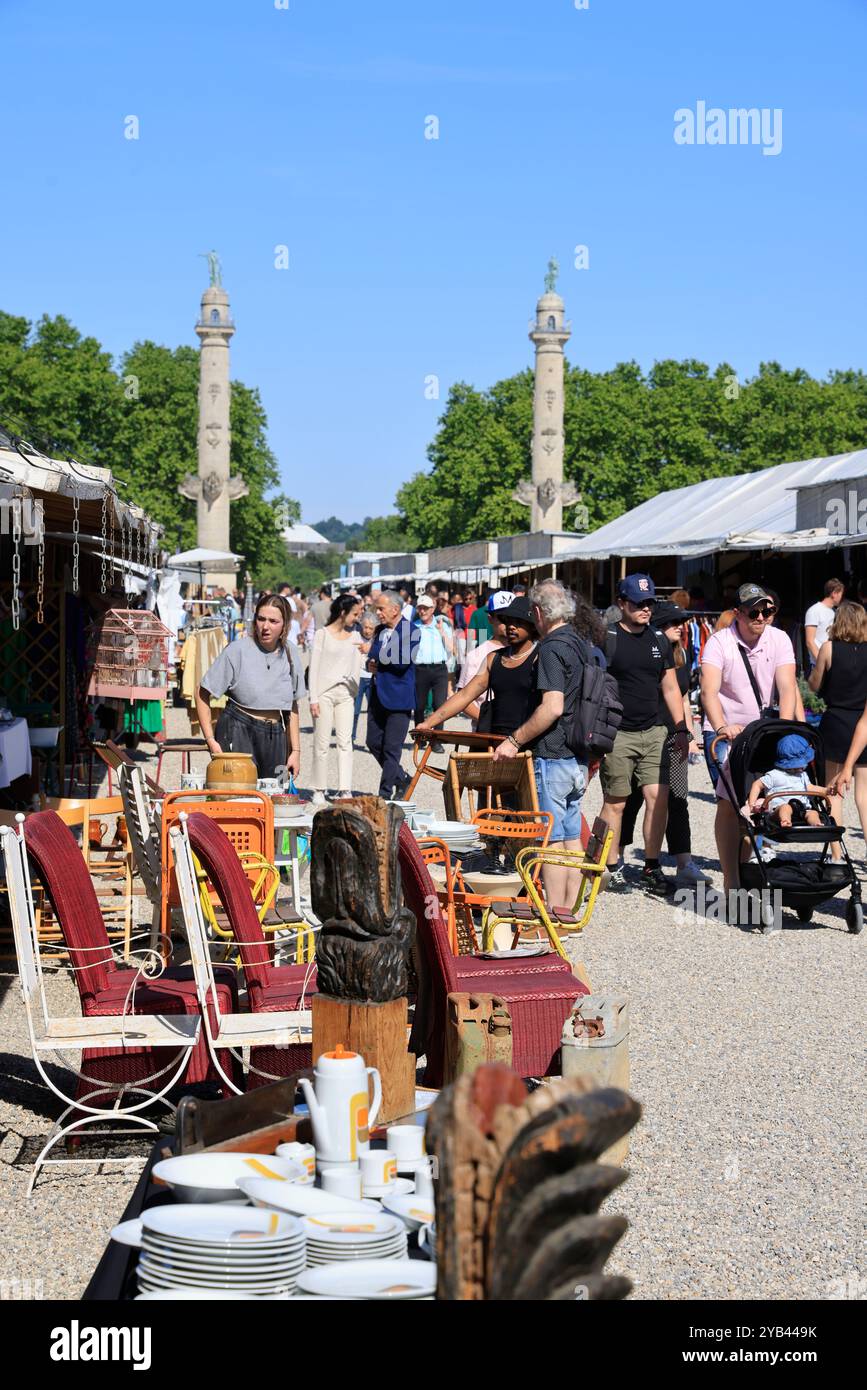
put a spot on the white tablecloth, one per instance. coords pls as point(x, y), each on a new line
point(14, 751)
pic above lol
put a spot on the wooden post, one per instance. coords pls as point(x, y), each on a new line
point(378, 1033)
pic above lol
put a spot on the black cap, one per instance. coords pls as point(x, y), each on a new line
point(518, 611)
point(666, 614)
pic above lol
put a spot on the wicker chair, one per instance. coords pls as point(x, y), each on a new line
point(102, 986)
point(539, 990)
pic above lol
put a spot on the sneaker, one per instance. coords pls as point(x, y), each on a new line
point(655, 882)
point(319, 799)
point(616, 881)
point(690, 874)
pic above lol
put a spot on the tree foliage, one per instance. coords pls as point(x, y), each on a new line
point(628, 436)
point(141, 421)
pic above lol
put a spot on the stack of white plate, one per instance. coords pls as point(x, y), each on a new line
point(371, 1279)
point(214, 1177)
point(338, 1236)
point(458, 835)
point(243, 1249)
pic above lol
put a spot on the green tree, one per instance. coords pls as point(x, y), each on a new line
point(141, 422)
point(385, 533)
point(628, 436)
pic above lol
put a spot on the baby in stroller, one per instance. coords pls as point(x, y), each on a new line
point(784, 790)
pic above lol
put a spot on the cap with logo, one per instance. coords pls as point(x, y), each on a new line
point(637, 588)
point(752, 593)
point(501, 599)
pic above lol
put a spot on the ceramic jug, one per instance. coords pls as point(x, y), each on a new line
point(339, 1101)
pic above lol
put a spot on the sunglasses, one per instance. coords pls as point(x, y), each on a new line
point(646, 603)
point(755, 613)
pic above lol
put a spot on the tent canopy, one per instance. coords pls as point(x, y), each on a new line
point(750, 511)
point(200, 556)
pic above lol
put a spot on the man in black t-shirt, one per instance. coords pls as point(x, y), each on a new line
point(642, 663)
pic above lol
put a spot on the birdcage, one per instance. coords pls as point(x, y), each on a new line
point(129, 656)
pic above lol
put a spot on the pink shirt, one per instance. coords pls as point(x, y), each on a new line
point(773, 649)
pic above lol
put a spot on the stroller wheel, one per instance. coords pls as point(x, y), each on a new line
point(854, 916)
point(805, 914)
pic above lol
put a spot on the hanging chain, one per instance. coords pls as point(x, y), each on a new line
point(40, 578)
point(111, 539)
point(75, 545)
point(16, 563)
point(104, 528)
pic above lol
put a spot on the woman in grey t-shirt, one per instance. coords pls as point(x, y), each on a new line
point(262, 677)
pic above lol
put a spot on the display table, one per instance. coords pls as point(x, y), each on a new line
point(15, 756)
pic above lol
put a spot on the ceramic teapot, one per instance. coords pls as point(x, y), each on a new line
point(339, 1101)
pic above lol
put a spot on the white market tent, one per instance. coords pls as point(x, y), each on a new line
point(750, 511)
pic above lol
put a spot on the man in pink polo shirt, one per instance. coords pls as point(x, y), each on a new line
point(730, 701)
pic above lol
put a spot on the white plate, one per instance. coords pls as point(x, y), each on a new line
point(192, 1294)
point(402, 1186)
point(152, 1259)
point(128, 1233)
point(211, 1224)
point(336, 1228)
point(299, 1198)
point(214, 1177)
point(214, 1257)
point(414, 1211)
point(540, 948)
point(174, 1278)
point(372, 1279)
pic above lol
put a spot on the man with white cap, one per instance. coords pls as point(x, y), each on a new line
point(476, 658)
point(435, 646)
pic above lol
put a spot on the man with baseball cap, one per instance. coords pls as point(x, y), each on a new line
point(741, 667)
point(435, 646)
point(642, 663)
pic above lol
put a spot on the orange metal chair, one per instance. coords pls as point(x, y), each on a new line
point(531, 828)
point(435, 854)
point(248, 821)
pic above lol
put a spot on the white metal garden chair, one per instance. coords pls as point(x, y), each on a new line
point(231, 1031)
point(51, 1035)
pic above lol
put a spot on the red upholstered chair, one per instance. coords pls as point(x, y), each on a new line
point(270, 988)
point(539, 990)
point(102, 986)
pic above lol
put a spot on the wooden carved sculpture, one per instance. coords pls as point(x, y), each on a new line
point(519, 1187)
point(363, 948)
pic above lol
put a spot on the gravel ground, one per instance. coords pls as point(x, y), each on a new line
point(746, 1055)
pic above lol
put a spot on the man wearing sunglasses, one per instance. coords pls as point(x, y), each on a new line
point(741, 668)
point(641, 661)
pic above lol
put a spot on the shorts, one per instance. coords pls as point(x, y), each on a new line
point(639, 756)
point(560, 787)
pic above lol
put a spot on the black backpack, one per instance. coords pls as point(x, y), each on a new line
point(598, 713)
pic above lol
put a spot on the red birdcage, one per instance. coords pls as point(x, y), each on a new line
point(129, 654)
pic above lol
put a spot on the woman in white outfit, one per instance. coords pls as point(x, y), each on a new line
point(332, 682)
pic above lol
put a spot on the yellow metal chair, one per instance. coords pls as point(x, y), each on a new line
point(534, 915)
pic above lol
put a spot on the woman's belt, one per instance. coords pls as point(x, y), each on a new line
point(264, 716)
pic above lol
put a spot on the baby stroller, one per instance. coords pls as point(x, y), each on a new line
point(803, 883)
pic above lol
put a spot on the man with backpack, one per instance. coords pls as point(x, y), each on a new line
point(641, 661)
point(561, 773)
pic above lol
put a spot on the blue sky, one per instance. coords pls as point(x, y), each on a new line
point(409, 257)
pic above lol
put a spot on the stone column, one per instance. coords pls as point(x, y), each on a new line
point(212, 488)
point(546, 493)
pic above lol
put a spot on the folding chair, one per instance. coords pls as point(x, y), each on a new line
point(287, 1031)
point(534, 915)
point(115, 1035)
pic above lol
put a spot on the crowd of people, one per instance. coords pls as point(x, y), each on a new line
point(515, 664)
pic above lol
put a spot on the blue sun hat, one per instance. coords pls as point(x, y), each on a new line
point(793, 751)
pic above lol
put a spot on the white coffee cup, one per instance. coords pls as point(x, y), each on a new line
point(341, 1180)
point(405, 1141)
point(422, 1176)
point(302, 1153)
point(378, 1168)
point(192, 781)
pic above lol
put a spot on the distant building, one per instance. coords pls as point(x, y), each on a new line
point(302, 540)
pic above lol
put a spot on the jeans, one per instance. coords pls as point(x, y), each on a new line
point(363, 690)
point(560, 787)
point(386, 731)
point(722, 752)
